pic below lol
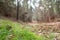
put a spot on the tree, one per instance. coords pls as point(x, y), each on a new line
point(17, 10)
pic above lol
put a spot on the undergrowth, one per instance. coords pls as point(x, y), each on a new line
point(14, 31)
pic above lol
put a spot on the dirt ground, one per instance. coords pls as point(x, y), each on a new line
point(46, 28)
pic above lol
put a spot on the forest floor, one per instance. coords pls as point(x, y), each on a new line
point(44, 28)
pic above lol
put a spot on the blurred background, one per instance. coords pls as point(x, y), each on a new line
point(31, 10)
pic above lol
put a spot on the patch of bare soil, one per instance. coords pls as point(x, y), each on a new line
point(46, 28)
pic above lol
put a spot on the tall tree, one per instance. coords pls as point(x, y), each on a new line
point(17, 9)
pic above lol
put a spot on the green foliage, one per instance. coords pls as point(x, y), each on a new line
point(14, 31)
